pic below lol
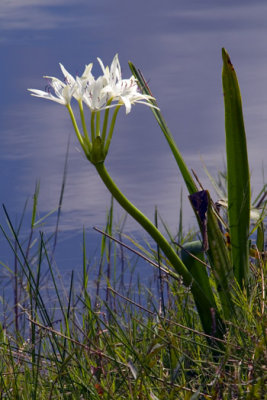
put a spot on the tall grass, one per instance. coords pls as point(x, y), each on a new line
point(117, 340)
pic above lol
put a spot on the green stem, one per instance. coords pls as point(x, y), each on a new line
point(77, 131)
point(207, 310)
point(145, 223)
point(93, 126)
point(105, 123)
point(111, 128)
point(84, 124)
point(98, 123)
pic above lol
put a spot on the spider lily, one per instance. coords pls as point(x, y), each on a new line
point(79, 83)
point(125, 91)
point(63, 92)
point(107, 91)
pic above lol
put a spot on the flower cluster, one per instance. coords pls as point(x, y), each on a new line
point(106, 91)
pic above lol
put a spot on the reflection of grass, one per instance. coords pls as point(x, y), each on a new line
point(128, 342)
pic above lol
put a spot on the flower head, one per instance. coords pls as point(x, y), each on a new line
point(80, 83)
point(125, 91)
point(94, 96)
point(112, 74)
point(63, 90)
point(95, 93)
point(70, 87)
point(107, 91)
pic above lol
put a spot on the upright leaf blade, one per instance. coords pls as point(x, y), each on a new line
point(238, 179)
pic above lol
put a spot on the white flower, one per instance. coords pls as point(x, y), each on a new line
point(109, 87)
point(113, 74)
point(80, 83)
point(63, 90)
point(94, 97)
point(123, 90)
point(126, 92)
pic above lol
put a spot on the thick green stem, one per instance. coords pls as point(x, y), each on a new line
point(145, 223)
point(207, 310)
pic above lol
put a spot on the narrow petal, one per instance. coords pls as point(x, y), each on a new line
point(69, 80)
point(115, 70)
point(101, 65)
point(87, 75)
point(47, 96)
point(126, 101)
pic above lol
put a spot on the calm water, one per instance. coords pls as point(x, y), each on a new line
point(177, 44)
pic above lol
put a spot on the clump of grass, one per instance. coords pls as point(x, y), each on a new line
point(119, 346)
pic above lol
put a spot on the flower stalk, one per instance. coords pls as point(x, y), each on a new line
point(76, 128)
point(111, 129)
point(85, 131)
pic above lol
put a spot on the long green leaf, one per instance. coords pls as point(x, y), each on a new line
point(238, 179)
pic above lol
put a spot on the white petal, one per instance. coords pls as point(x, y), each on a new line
point(69, 80)
point(126, 101)
point(87, 73)
point(47, 96)
point(115, 70)
point(38, 92)
point(101, 65)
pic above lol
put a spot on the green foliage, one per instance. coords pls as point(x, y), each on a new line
point(229, 266)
